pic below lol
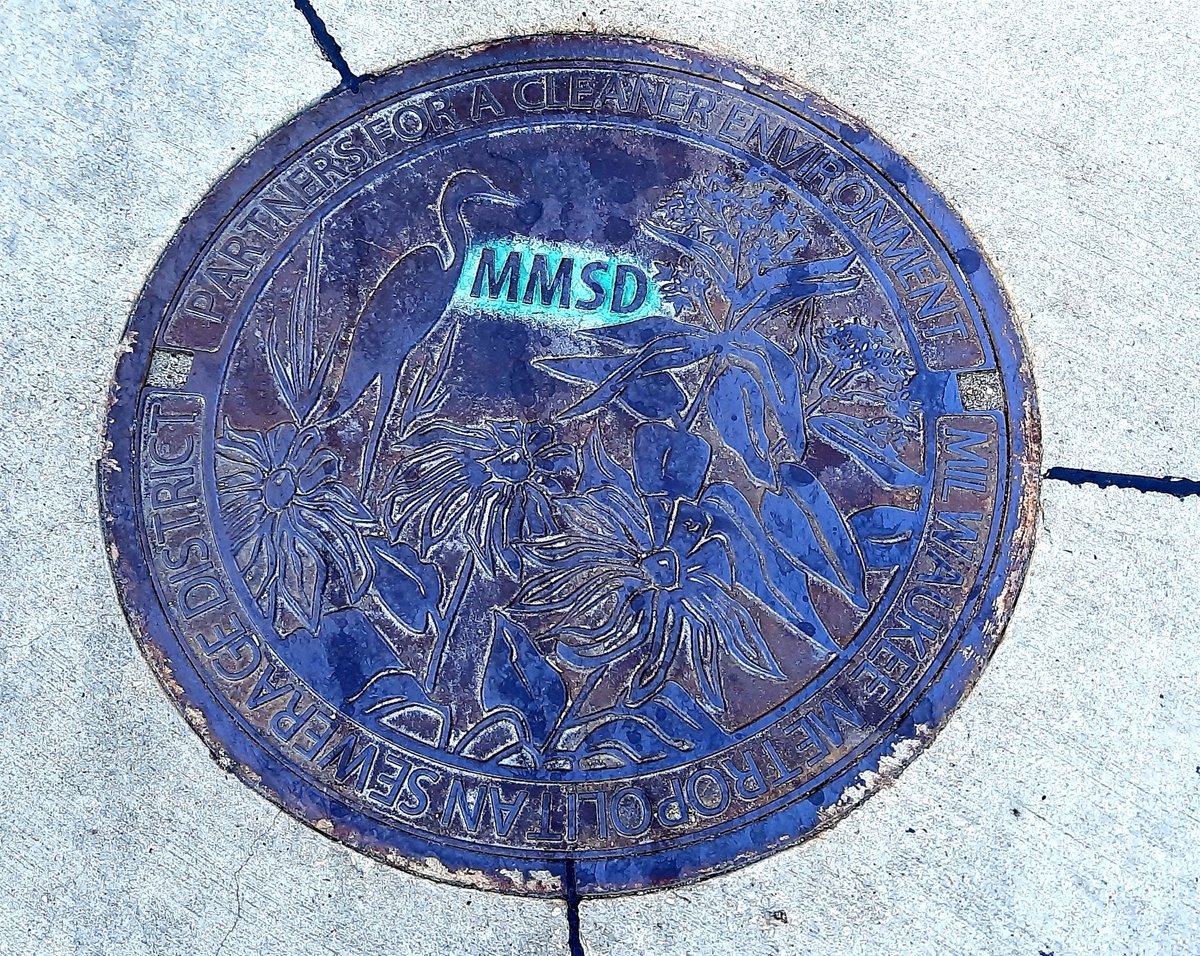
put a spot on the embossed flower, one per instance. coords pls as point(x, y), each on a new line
point(290, 519)
point(862, 366)
point(493, 486)
point(660, 589)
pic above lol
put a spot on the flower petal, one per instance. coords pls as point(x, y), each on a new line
point(426, 459)
point(458, 438)
point(302, 582)
point(553, 585)
point(570, 589)
point(338, 501)
point(573, 548)
point(406, 507)
point(241, 457)
point(625, 629)
point(710, 557)
point(279, 442)
point(741, 638)
point(279, 540)
point(536, 515)
point(555, 459)
point(238, 481)
point(508, 434)
point(303, 447)
point(245, 521)
point(666, 630)
point(342, 545)
point(320, 468)
point(706, 667)
point(446, 512)
point(245, 446)
point(536, 437)
point(251, 559)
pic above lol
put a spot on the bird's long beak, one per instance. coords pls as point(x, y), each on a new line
point(504, 199)
point(527, 211)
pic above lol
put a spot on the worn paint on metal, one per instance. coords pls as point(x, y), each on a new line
point(573, 453)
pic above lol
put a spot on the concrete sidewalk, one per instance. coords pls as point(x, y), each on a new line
point(1060, 810)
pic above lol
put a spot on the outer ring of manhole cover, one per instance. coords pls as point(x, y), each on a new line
point(570, 453)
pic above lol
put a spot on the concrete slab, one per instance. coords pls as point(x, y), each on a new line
point(1062, 135)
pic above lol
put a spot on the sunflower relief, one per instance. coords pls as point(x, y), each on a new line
point(611, 574)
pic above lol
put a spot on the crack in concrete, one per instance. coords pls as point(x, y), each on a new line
point(329, 47)
point(237, 881)
point(574, 940)
point(1167, 485)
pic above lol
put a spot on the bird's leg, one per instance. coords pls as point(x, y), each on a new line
point(446, 621)
point(371, 447)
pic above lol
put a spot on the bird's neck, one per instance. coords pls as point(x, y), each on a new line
point(456, 237)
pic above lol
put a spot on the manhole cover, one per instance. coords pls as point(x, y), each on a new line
point(572, 454)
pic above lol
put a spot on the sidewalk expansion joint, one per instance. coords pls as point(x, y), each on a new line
point(329, 47)
point(1167, 485)
point(574, 942)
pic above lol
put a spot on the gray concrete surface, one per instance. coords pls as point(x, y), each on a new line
point(1060, 811)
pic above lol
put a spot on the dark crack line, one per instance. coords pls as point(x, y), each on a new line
point(237, 880)
point(574, 942)
point(328, 45)
point(1168, 485)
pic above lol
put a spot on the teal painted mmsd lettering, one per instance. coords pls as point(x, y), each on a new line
point(556, 282)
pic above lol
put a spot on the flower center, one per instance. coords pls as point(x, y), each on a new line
point(280, 489)
point(511, 465)
point(662, 567)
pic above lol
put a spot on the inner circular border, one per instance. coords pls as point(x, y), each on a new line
point(241, 318)
point(493, 870)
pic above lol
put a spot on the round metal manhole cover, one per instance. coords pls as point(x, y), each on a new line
point(573, 454)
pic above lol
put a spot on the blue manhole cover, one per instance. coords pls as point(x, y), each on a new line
point(573, 450)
